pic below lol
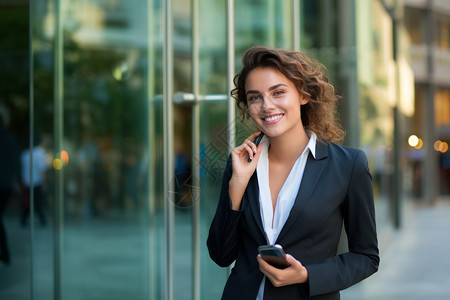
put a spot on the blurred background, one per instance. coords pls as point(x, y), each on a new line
point(125, 107)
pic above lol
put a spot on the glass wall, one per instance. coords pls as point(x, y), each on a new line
point(99, 74)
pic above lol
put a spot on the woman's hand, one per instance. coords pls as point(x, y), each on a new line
point(242, 169)
point(295, 273)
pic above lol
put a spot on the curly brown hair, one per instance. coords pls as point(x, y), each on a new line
point(319, 114)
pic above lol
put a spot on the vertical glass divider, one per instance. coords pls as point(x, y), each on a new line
point(150, 203)
point(31, 128)
point(296, 24)
point(195, 194)
point(231, 129)
point(230, 74)
point(168, 136)
point(271, 23)
point(58, 139)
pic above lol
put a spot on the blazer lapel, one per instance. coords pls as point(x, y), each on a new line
point(311, 175)
point(253, 199)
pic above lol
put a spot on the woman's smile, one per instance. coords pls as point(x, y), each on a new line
point(273, 119)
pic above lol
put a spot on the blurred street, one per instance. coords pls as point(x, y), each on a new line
point(415, 261)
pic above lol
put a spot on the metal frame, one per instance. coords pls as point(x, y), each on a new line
point(31, 142)
point(58, 140)
point(195, 79)
point(150, 205)
point(296, 25)
point(168, 136)
point(230, 74)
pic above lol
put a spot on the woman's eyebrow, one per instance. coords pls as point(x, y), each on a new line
point(252, 92)
point(270, 89)
point(276, 86)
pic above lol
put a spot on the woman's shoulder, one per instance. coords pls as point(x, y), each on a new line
point(342, 151)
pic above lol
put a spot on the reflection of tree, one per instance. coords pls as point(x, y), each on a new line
point(14, 62)
point(106, 96)
point(103, 104)
point(374, 112)
point(369, 111)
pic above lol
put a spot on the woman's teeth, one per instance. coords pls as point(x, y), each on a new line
point(273, 118)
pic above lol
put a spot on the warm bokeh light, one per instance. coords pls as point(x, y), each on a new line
point(57, 164)
point(444, 147)
point(437, 145)
point(413, 140)
point(64, 157)
point(419, 144)
point(440, 146)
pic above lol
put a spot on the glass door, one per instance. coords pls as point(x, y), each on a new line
point(98, 77)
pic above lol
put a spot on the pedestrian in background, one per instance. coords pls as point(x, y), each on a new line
point(38, 167)
point(9, 179)
point(297, 188)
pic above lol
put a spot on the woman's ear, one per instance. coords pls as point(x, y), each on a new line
point(303, 100)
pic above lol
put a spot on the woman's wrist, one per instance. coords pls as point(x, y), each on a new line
point(304, 275)
point(236, 190)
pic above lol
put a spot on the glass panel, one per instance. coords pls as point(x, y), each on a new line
point(213, 157)
point(112, 192)
point(104, 240)
point(42, 161)
point(15, 252)
point(182, 31)
point(153, 180)
point(267, 23)
point(213, 47)
point(213, 119)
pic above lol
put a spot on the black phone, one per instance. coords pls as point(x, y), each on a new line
point(274, 255)
point(256, 141)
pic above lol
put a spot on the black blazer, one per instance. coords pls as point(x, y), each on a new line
point(336, 189)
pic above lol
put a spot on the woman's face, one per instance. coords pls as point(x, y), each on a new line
point(273, 102)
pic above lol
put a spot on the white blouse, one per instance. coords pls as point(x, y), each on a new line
point(286, 196)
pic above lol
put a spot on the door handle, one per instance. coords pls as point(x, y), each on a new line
point(186, 98)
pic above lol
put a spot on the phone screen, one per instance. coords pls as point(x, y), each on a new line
point(274, 255)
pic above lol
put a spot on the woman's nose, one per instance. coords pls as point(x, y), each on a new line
point(267, 103)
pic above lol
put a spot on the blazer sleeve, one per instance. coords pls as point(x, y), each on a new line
point(224, 234)
point(362, 260)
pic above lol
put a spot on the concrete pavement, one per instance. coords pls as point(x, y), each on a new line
point(415, 262)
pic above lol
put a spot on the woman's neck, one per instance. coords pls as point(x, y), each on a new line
point(289, 146)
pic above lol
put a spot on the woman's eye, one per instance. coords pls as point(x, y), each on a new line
point(277, 93)
point(252, 98)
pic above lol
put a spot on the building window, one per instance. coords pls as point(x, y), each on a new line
point(442, 24)
point(442, 108)
point(416, 25)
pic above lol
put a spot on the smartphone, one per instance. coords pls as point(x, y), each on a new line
point(256, 142)
point(274, 255)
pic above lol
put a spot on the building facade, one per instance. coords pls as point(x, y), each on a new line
point(428, 25)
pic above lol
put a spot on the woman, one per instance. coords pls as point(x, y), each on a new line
point(296, 188)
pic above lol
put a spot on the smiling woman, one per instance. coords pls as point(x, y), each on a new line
point(295, 170)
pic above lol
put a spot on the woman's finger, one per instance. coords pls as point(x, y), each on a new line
point(253, 136)
point(249, 150)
